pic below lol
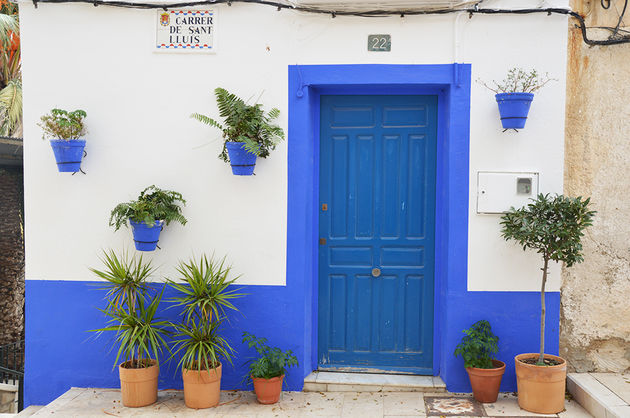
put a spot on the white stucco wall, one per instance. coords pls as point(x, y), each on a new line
point(102, 60)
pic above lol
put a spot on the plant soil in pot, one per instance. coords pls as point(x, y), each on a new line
point(514, 108)
point(242, 161)
point(268, 390)
point(146, 237)
point(139, 386)
point(68, 154)
point(202, 388)
point(541, 388)
point(486, 382)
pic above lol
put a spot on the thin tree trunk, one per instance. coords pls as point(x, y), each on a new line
point(541, 358)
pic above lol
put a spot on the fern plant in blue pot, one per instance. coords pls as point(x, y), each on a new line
point(148, 214)
point(268, 370)
point(515, 94)
point(248, 131)
point(66, 131)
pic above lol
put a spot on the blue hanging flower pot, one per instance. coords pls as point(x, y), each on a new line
point(68, 154)
point(146, 236)
point(242, 161)
point(514, 108)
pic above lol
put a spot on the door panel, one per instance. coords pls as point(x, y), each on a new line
point(377, 180)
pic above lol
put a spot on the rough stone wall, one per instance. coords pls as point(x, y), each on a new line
point(595, 312)
point(11, 256)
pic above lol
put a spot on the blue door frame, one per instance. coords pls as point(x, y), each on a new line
point(451, 84)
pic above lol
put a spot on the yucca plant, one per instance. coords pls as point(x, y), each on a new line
point(10, 71)
point(152, 204)
point(204, 295)
point(126, 279)
point(139, 334)
point(245, 123)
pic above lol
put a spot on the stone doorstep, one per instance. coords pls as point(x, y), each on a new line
point(594, 396)
point(320, 381)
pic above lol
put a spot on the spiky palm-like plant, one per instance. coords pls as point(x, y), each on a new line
point(10, 71)
point(245, 123)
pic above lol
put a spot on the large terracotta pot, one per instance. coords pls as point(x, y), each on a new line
point(541, 388)
point(202, 389)
point(268, 390)
point(486, 382)
point(139, 386)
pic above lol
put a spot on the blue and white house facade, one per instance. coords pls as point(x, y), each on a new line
point(367, 241)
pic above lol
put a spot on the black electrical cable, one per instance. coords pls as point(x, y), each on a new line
point(370, 13)
point(621, 15)
point(605, 4)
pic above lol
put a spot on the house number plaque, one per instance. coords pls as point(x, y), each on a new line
point(379, 43)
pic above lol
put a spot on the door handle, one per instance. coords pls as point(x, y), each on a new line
point(376, 272)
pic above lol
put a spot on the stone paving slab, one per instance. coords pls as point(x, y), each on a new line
point(603, 395)
point(81, 402)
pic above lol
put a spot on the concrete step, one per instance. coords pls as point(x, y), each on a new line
point(603, 395)
point(30, 410)
point(371, 382)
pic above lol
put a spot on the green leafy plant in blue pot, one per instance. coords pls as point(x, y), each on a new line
point(268, 370)
point(478, 348)
point(66, 131)
point(148, 214)
point(248, 131)
point(515, 94)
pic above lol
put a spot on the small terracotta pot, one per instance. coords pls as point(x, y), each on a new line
point(202, 389)
point(541, 388)
point(268, 390)
point(486, 382)
point(139, 386)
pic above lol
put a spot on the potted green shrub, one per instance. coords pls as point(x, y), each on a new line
point(148, 214)
point(131, 308)
point(514, 95)
point(65, 130)
point(204, 294)
point(485, 372)
point(248, 131)
point(268, 370)
point(553, 226)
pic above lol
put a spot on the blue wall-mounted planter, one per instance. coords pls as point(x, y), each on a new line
point(514, 108)
point(242, 161)
point(144, 236)
point(68, 154)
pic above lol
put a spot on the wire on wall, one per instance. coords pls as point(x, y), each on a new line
point(613, 40)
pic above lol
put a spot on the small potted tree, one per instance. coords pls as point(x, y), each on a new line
point(65, 131)
point(131, 309)
point(248, 131)
point(477, 349)
point(514, 95)
point(268, 370)
point(148, 214)
point(553, 226)
point(204, 295)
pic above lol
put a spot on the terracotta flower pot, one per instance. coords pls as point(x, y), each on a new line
point(139, 386)
point(202, 389)
point(541, 388)
point(486, 382)
point(268, 390)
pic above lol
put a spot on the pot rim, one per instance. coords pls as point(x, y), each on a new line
point(494, 361)
point(57, 140)
point(273, 379)
point(204, 370)
point(514, 93)
point(518, 357)
point(155, 363)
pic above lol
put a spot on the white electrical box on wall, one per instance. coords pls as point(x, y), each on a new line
point(498, 192)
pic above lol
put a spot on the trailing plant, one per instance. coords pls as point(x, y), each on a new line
point(519, 80)
point(478, 346)
point(204, 296)
point(272, 361)
point(152, 204)
point(245, 123)
point(553, 226)
point(131, 310)
point(61, 124)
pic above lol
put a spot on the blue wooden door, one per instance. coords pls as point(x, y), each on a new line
point(377, 232)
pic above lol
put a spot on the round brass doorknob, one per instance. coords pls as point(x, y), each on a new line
point(376, 272)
